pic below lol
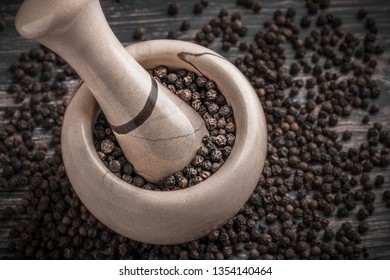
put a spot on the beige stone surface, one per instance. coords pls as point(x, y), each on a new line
point(174, 216)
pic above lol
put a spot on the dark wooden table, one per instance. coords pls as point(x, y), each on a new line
point(125, 16)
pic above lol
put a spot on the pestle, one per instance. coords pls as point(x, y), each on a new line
point(157, 131)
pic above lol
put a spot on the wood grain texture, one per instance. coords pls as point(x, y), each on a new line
point(125, 16)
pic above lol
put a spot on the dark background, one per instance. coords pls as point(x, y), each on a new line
point(125, 16)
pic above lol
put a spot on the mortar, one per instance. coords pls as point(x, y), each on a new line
point(174, 216)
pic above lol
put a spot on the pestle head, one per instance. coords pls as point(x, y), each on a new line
point(157, 131)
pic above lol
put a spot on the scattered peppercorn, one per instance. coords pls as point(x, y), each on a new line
point(173, 8)
point(185, 25)
point(2, 24)
point(362, 13)
point(138, 33)
point(198, 8)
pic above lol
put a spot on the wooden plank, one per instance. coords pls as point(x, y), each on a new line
point(127, 15)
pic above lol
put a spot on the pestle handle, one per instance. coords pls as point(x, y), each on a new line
point(77, 31)
point(156, 130)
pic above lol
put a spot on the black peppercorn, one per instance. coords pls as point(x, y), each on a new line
point(305, 21)
point(362, 13)
point(173, 8)
point(347, 135)
point(185, 25)
point(365, 119)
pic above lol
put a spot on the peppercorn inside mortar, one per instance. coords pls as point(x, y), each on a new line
point(204, 97)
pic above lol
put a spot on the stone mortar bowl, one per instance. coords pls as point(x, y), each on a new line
point(169, 217)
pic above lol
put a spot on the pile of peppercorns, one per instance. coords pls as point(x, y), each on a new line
point(231, 29)
point(310, 178)
point(204, 97)
point(305, 155)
